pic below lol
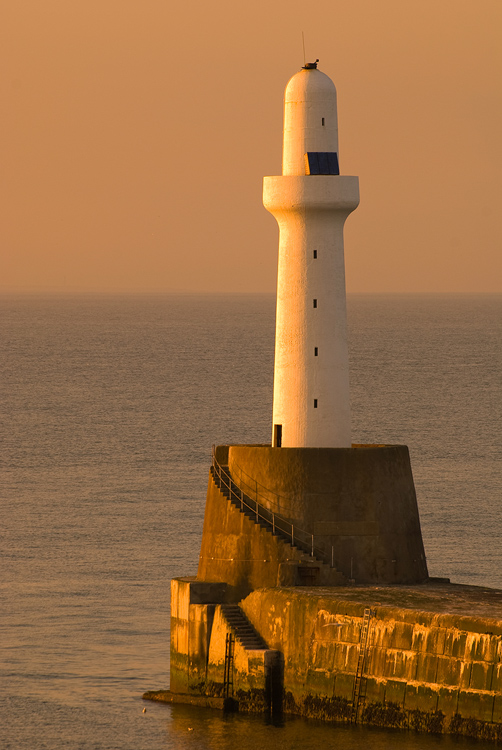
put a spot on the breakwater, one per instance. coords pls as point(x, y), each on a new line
point(426, 657)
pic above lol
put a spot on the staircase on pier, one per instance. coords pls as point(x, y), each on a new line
point(241, 628)
point(267, 520)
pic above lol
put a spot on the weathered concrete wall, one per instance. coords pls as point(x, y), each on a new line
point(361, 501)
point(192, 613)
point(240, 552)
point(434, 672)
point(250, 667)
point(198, 642)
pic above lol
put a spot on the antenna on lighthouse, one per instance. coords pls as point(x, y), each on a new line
point(303, 42)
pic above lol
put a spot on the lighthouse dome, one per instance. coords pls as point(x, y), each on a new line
point(310, 118)
point(309, 84)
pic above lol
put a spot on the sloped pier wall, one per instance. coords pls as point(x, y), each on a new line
point(359, 503)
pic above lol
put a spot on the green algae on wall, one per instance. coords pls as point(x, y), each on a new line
point(424, 670)
point(429, 671)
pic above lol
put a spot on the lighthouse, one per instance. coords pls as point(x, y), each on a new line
point(310, 202)
point(312, 508)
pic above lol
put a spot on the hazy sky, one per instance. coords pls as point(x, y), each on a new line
point(134, 136)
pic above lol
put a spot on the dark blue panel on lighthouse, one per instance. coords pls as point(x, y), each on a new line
point(333, 162)
point(321, 162)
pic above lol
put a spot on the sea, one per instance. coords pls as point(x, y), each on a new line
point(109, 408)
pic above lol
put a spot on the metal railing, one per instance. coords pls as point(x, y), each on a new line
point(255, 489)
point(293, 534)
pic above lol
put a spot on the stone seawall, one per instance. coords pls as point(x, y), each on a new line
point(432, 660)
point(431, 670)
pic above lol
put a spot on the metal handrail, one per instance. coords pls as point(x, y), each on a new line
point(253, 485)
point(298, 537)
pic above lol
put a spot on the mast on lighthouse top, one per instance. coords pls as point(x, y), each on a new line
point(310, 202)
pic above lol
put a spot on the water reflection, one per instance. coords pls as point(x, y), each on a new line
point(206, 729)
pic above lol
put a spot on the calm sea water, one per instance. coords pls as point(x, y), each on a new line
point(109, 409)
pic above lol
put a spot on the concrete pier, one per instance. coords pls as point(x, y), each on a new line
point(430, 658)
point(275, 623)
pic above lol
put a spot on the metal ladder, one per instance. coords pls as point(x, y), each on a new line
point(363, 649)
point(228, 674)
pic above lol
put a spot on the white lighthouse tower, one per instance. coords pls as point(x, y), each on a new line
point(310, 202)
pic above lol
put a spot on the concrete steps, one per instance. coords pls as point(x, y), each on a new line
point(263, 523)
point(242, 628)
point(310, 570)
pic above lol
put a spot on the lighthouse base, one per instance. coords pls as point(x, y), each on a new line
point(352, 511)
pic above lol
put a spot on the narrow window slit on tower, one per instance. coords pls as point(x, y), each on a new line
point(316, 351)
point(315, 254)
point(315, 303)
point(323, 120)
point(315, 403)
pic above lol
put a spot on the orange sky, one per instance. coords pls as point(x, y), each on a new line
point(134, 136)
